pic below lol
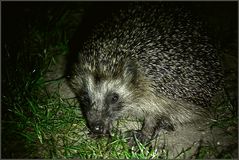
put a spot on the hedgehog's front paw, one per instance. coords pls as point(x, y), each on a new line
point(136, 137)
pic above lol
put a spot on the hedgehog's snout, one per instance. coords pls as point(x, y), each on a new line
point(98, 128)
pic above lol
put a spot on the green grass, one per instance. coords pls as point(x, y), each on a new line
point(55, 129)
point(38, 124)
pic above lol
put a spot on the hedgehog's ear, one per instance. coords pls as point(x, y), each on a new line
point(130, 71)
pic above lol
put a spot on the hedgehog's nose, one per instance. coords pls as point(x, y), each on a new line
point(98, 128)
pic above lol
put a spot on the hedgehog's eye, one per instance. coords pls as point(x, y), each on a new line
point(112, 98)
point(84, 98)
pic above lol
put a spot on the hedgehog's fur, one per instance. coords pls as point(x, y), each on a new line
point(156, 60)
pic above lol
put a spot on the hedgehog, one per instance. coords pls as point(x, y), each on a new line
point(152, 62)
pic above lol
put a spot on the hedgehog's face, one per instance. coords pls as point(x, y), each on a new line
point(102, 102)
point(105, 94)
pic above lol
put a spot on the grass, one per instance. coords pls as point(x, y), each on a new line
point(39, 124)
point(54, 129)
